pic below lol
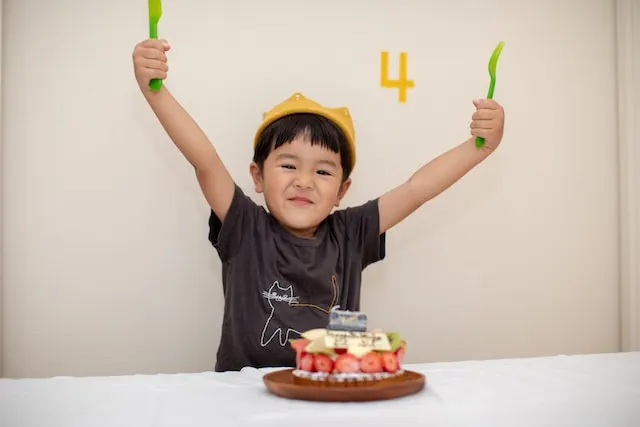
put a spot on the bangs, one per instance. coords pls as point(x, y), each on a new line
point(317, 130)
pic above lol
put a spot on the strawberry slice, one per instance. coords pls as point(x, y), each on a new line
point(306, 362)
point(400, 355)
point(390, 362)
point(371, 363)
point(323, 363)
point(299, 345)
point(299, 359)
point(347, 363)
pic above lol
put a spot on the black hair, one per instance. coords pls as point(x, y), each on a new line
point(320, 131)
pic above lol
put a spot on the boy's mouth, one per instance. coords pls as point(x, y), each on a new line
point(300, 201)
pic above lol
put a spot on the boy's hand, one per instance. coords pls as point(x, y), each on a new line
point(488, 122)
point(150, 61)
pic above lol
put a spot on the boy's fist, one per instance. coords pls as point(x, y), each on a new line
point(150, 61)
point(488, 122)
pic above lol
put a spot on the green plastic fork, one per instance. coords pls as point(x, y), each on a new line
point(493, 61)
point(155, 12)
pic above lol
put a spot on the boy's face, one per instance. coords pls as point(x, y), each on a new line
point(301, 185)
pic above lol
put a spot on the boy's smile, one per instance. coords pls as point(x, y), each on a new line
point(302, 183)
point(300, 201)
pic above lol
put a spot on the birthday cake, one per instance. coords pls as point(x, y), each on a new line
point(347, 352)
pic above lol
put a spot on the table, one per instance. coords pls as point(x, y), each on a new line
point(601, 390)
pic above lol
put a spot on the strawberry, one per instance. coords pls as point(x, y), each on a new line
point(306, 362)
point(299, 345)
point(340, 350)
point(347, 363)
point(390, 361)
point(299, 359)
point(371, 363)
point(323, 363)
point(400, 355)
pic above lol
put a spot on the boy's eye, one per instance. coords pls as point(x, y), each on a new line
point(287, 166)
point(323, 172)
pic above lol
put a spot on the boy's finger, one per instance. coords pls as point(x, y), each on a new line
point(489, 104)
point(159, 44)
point(151, 53)
point(157, 74)
point(165, 44)
point(483, 114)
point(480, 132)
point(481, 124)
point(156, 65)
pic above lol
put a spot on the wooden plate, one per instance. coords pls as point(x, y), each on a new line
point(284, 384)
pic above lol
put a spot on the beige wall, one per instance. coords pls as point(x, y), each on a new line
point(106, 266)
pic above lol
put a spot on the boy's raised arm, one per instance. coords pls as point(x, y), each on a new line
point(446, 169)
point(150, 62)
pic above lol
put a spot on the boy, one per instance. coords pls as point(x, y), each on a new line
point(285, 269)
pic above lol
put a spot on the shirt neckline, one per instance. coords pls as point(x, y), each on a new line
point(301, 241)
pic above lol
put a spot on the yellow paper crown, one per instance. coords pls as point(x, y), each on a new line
point(298, 103)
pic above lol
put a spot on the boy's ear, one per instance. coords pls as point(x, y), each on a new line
point(254, 170)
point(343, 190)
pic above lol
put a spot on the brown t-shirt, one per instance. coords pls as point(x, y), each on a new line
point(277, 285)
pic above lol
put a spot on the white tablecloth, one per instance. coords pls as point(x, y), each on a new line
point(582, 391)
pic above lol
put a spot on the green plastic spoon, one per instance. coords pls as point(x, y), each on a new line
point(155, 12)
point(493, 61)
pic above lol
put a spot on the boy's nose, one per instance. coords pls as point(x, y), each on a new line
point(303, 182)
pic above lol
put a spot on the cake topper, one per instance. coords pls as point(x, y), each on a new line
point(344, 320)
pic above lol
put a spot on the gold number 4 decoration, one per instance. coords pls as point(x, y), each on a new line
point(402, 83)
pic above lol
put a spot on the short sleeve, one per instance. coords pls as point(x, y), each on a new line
point(229, 236)
point(361, 224)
